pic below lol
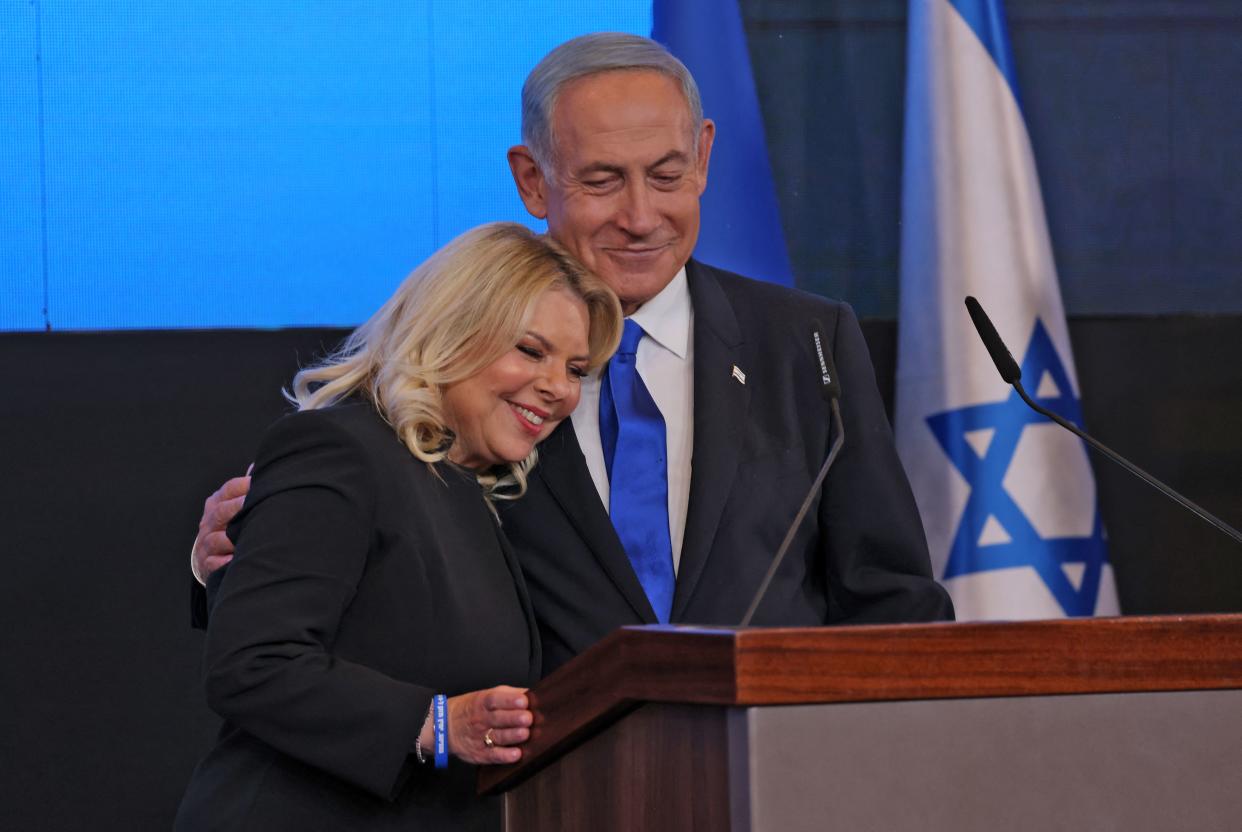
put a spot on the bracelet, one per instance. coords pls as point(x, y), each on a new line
point(418, 740)
point(439, 728)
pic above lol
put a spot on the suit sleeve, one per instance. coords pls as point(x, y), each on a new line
point(198, 605)
point(878, 566)
point(302, 544)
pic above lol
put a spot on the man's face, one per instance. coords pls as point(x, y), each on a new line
point(625, 196)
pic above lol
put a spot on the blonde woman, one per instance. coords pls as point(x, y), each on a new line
point(371, 574)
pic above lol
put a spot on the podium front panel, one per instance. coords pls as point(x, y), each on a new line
point(1138, 761)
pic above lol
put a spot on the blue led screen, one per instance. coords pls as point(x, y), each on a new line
point(241, 164)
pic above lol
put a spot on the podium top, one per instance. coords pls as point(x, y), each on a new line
point(777, 666)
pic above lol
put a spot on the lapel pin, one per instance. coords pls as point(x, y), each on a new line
point(739, 375)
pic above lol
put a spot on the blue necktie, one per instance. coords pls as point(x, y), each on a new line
point(631, 430)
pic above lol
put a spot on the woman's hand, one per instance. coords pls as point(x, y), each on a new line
point(500, 714)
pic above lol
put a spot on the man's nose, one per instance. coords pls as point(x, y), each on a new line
point(639, 215)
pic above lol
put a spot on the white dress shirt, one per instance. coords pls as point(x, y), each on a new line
point(666, 364)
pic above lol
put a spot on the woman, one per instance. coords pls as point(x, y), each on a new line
point(370, 571)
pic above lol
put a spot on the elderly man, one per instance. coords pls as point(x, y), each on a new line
point(665, 496)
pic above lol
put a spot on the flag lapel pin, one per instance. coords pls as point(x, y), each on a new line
point(739, 375)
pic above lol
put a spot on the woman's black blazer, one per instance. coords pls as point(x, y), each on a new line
point(364, 582)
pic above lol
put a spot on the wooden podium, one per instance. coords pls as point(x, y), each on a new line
point(1091, 724)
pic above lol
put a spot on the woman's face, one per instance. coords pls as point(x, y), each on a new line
point(517, 400)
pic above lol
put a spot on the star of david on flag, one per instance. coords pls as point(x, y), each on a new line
point(1007, 497)
point(982, 442)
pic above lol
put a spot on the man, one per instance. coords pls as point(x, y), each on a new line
point(721, 379)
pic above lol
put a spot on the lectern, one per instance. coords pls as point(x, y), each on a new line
point(1090, 724)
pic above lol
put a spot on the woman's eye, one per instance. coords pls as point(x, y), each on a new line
point(531, 352)
point(578, 372)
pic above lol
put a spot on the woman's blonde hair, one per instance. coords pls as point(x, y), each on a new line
point(462, 309)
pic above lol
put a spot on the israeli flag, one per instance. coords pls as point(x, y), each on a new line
point(1007, 497)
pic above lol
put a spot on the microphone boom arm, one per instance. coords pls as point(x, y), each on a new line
point(1129, 466)
point(1011, 373)
point(806, 506)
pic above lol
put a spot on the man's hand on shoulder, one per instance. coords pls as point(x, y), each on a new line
point(212, 548)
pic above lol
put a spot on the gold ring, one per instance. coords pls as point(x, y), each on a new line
point(487, 739)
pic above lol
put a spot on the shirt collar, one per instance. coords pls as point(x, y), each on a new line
point(666, 317)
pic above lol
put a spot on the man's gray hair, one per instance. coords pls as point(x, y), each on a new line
point(590, 55)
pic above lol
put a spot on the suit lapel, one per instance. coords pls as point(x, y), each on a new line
point(563, 469)
point(532, 626)
point(720, 407)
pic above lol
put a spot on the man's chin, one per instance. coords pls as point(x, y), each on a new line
point(638, 279)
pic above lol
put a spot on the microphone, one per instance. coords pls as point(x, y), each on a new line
point(1012, 374)
point(830, 387)
point(1001, 357)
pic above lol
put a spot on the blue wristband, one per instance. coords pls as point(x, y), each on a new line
point(439, 728)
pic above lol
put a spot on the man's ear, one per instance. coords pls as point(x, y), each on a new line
point(531, 185)
point(707, 135)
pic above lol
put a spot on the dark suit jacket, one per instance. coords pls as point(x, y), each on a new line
point(362, 584)
point(860, 557)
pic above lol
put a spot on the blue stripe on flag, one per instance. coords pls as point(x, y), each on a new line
point(741, 228)
point(986, 18)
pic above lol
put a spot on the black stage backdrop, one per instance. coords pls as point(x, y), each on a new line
point(112, 441)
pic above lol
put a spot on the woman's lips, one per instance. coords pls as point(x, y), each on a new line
point(530, 419)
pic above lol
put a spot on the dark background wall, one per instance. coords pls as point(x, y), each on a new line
point(110, 442)
point(1130, 109)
